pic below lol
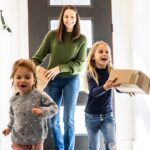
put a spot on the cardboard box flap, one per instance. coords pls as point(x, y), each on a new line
point(124, 76)
point(41, 79)
point(131, 80)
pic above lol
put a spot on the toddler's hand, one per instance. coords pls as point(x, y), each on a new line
point(6, 131)
point(37, 112)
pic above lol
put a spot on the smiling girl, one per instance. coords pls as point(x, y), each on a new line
point(98, 110)
point(29, 109)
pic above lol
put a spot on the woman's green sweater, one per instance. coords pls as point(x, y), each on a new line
point(69, 55)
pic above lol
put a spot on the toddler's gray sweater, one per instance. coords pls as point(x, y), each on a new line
point(25, 127)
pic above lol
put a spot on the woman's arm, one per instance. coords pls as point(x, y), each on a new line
point(43, 50)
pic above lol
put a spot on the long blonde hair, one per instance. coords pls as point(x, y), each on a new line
point(91, 66)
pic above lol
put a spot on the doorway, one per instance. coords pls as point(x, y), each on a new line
point(95, 16)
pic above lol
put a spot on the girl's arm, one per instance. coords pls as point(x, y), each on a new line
point(97, 90)
point(11, 116)
point(94, 89)
point(48, 107)
point(7, 130)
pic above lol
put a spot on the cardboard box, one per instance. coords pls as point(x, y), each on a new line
point(131, 80)
point(149, 88)
point(41, 79)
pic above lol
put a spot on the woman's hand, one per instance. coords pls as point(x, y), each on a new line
point(52, 73)
point(111, 84)
point(6, 131)
point(37, 112)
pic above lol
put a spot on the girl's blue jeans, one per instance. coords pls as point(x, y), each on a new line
point(104, 123)
point(65, 89)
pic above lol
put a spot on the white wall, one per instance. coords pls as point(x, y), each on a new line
point(122, 39)
point(131, 50)
point(141, 50)
point(12, 46)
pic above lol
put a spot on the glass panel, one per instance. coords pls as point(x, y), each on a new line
point(86, 31)
point(71, 2)
point(79, 120)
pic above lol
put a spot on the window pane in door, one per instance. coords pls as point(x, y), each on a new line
point(71, 2)
point(86, 29)
point(80, 128)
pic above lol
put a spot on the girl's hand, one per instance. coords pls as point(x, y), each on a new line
point(6, 131)
point(131, 94)
point(37, 112)
point(111, 84)
point(52, 73)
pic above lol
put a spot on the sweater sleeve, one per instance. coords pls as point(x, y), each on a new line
point(75, 66)
point(43, 50)
point(11, 116)
point(94, 89)
point(48, 106)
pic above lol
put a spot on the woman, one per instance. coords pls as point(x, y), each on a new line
point(67, 49)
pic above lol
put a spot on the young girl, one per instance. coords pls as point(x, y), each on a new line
point(29, 109)
point(98, 110)
point(67, 48)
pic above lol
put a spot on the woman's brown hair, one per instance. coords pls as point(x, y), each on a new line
point(61, 26)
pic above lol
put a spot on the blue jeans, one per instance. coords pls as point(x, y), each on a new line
point(104, 123)
point(66, 89)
